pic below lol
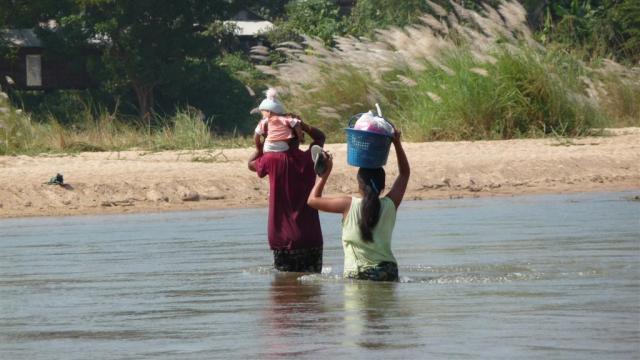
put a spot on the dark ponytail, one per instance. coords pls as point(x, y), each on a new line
point(371, 182)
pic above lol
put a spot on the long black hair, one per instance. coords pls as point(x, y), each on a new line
point(371, 181)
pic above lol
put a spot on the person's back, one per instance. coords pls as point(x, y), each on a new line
point(294, 232)
point(368, 222)
point(291, 178)
point(361, 255)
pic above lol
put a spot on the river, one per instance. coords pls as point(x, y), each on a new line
point(525, 277)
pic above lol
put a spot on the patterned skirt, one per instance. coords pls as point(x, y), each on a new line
point(298, 260)
point(385, 271)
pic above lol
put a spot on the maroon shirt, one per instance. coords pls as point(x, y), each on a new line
point(292, 223)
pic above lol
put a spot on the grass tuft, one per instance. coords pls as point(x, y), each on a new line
point(188, 129)
point(466, 75)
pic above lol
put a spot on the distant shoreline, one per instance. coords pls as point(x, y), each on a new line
point(138, 181)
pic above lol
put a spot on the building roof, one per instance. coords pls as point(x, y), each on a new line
point(245, 23)
point(21, 37)
point(250, 28)
point(246, 15)
point(248, 23)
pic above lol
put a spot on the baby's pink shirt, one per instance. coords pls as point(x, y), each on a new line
point(277, 128)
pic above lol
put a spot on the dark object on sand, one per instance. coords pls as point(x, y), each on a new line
point(56, 180)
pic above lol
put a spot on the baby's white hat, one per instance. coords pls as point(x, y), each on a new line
point(271, 102)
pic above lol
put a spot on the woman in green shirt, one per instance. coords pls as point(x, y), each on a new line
point(367, 222)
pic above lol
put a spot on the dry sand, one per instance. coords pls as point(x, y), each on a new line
point(137, 181)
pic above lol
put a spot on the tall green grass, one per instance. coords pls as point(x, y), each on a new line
point(467, 75)
point(617, 90)
point(462, 75)
point(526, 94)
point(188, 129)
point(16, 130)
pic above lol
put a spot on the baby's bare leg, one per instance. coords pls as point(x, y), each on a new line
point(299, 133)
point(258, 141)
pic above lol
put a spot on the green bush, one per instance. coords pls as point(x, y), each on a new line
point(187, 129)
point(317, 18)
point(523, 94)
point(595, 28)
point(369, 15)
point(484, 79)
point(16, 132)
point(215, 91)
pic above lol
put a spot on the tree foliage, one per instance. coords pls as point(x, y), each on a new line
point(154, 54)
point(317, 18)
point(595, 27)
point(148, 44)
point(158, 55)
point(27, 14)
point(369, 15)
point(598, 27)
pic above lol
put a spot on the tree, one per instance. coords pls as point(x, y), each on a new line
point(626, 16)
point(369, 15)
point(148, 43)
point(598, 27)
point(317, 18)
point(26, 14)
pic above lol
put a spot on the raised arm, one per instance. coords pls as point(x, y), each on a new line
point(316, 135)
point(400, 184)
point(339, 204)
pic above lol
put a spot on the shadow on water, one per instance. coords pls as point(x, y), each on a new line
point(359, 315)
point(367, 306)
point(292, 302)
point(292, 317)
point(375, 316)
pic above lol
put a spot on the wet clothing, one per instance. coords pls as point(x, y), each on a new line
point(292, 223)
point(385, 271)
point(300, 260)
point(360, 257)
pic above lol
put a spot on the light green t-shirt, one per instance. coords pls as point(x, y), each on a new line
point(358, 254)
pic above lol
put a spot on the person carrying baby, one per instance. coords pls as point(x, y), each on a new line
point(276, 127)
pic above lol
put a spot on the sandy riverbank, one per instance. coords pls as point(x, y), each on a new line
point(137, 181)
